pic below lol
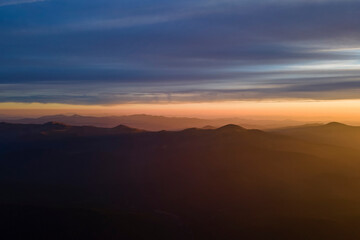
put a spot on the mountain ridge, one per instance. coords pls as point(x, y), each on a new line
point(152, 122)
point(16, 130)
point(333, 133)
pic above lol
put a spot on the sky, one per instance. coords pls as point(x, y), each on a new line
point(135, 56)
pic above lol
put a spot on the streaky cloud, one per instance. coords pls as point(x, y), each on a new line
point(118, 51)
point(16, 2)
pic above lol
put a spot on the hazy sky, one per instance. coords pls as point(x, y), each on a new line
point(106, 52)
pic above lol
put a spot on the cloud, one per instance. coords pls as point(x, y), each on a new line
point(16, 2)
point(139, 51)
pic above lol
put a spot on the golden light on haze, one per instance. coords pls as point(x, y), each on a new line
point(347, 111)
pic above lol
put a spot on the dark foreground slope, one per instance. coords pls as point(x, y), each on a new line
point(226, 183)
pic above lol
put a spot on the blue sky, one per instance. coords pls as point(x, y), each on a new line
point(121, 51)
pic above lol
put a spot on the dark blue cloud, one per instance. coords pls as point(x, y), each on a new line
point(137, 51)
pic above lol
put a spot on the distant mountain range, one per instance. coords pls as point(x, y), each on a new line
point(198, 183)
point(332, 133)
point(55, 129)
point(151, 123)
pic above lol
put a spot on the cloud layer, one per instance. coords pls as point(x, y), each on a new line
point(107, 52)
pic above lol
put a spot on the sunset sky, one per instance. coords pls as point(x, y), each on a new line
point(212, 58)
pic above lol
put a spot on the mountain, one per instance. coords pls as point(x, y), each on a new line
point(223, 183)
point(208, 127)
point(52, 129)
point(151, 123)
point(332, 133)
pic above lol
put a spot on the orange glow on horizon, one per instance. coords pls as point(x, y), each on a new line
point(325, 110)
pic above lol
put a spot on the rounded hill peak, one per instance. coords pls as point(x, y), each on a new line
point(126, 129)
point(231, 127)
point(335, 124)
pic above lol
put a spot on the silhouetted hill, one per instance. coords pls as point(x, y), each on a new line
point(13, 131)
point(224, 183)
point(148, 122)
point(208, 127)
point(333, 133)
point(231, 127)
point(151, 123)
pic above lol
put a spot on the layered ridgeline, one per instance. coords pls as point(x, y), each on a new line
point(333, 133)
point(10, 131)
point(199, 183)
point(149, 122)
